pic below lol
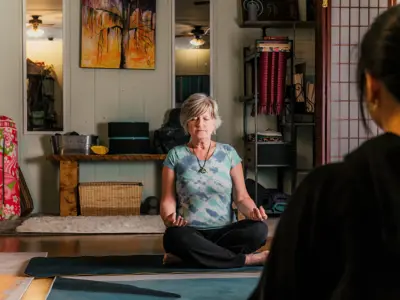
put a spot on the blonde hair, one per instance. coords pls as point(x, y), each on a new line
point(196, 105)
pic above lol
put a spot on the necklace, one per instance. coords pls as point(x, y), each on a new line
point(202, 169)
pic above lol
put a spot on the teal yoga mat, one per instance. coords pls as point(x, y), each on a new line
point(193, 289)
point(45, 267)
point(67, 288)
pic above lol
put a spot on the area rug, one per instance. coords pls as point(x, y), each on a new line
point(13, 287)
point(143, 224)
point(15, 263)
point(115, 265)
point(93, 225)
point(194, 287)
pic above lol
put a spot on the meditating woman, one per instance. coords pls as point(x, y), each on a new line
point(199, 181)
point(339, 237)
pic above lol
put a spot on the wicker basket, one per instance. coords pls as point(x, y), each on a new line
point(110, 198)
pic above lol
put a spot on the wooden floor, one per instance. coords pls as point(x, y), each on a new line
point(83, 245)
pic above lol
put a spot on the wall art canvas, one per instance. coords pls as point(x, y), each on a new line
point(118, 34)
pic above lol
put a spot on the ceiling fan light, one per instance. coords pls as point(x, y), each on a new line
point(197, 42)
point(35, 33)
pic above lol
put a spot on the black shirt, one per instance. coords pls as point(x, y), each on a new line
point(339, 237)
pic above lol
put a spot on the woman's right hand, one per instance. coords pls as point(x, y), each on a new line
point(173, 221)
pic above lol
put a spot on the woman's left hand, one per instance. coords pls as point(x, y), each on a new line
point(258, 214)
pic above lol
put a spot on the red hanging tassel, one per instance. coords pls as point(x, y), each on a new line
point(281, 82)
point(263, 86)
point(272, 75)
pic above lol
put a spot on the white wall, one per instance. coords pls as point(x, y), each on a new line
point(96, 97)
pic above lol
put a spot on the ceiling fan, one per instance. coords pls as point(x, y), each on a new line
point(197, 33)
point(35, 23)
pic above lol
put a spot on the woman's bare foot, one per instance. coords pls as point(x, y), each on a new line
point(171, 259)
point(256, 259)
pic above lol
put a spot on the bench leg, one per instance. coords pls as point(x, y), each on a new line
point(69, 176)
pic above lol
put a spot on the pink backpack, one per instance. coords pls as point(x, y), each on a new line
point(10, 201)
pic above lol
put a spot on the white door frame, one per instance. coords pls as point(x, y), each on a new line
point(65, 66)
point(212, 50)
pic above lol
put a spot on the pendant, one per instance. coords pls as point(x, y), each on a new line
point(202, 170)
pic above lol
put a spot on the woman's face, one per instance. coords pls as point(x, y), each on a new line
point(202, 127)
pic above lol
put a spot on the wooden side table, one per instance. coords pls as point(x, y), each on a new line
point(69, 174)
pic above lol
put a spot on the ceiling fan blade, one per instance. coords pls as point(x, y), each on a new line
point(192, 24)
point(201, 2)
point(41, 25)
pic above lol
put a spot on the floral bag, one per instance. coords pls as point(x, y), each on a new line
point(10, 201)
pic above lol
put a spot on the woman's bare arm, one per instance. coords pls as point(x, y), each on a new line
point(243, 200)
point(168, 198)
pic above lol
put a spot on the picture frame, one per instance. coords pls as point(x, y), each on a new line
point(118, 34)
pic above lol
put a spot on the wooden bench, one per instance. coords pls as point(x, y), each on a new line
point(69, 174)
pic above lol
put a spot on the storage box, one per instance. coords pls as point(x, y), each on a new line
point(128, 129)
point(269, 154)
point(110, 198)
point(129, 146)
point(129, 137)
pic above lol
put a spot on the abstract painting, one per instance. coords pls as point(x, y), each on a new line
point(118, 34)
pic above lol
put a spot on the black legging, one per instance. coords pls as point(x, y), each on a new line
point(216, 248)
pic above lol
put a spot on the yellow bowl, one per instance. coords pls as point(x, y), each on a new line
point(101, 150)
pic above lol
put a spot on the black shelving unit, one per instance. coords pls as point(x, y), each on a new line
point(288, 123)
point(303, 120)
point(253, 147)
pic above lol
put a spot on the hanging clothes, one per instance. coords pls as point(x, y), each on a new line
point(272, 74)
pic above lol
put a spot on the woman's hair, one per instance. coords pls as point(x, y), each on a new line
point(196, 105)
point(379, 55)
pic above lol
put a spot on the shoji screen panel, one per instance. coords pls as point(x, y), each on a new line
point(350, 20)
